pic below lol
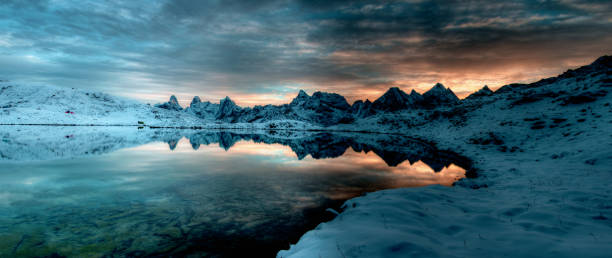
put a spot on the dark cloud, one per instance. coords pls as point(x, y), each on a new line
point(265, 50)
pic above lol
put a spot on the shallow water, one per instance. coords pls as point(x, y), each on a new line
point(136, 193)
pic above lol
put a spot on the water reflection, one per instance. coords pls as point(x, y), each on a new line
point(177, 193)
point(394, 150)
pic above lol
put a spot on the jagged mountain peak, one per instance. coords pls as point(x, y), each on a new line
point(196, 100)
point(227, 109)
point(226, 100)
point(484, 91)
point(439, 95)
point(300, 99)
point(396, 99)
point(394, 92)
point(331, 99)
point(439, 86)
point(302, 94)
point(204, 110)
point(172, 104)
point(173, 100)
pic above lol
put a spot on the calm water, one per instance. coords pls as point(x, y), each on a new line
point(134, 193)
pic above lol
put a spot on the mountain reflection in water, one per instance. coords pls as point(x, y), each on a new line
point(125, 193)
point(327, 145)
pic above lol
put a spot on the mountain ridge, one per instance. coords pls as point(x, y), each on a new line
point(22, 104)
point(326, 109)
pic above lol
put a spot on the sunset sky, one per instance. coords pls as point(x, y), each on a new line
point(260, 52)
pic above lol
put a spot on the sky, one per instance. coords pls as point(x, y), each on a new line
point(260, 52)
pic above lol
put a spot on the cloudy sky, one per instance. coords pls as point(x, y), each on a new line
point(264, 51)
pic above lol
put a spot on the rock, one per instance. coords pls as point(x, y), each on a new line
point(195, 100)
point(172, 104)
point(395, 99)
point(584, 97)
point(322, 101)
point(483, 92)
point(204, 110)
point(228, 110)
point(438, 95)
point(362, 109)
point(301, 98)
point(321, 108)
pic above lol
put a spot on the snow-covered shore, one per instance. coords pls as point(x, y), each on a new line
point(545, 167)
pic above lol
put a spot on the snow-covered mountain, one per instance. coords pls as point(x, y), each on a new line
point(395, 99)
point(484, 91)
point(322, 108)
point(172, 104)
point(205, 110)
point(439, 95)
point(32, 104)
point(21, 104)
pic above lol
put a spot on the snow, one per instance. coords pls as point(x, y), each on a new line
point(31, 104)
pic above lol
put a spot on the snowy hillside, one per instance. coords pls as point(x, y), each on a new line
point(544, 157)
point(50, 105)
point(25, 104)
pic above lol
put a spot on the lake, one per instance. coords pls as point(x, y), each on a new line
point(124, 191)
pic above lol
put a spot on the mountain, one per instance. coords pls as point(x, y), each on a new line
point(300, 99)
point(362, 108)
point(204, 110)
point(172, 104)
point(228, 110)
point(484, 91)
point(22, 104)
point(321, 101)
point(395, 99)
point(439, 95)
point(321, 108)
